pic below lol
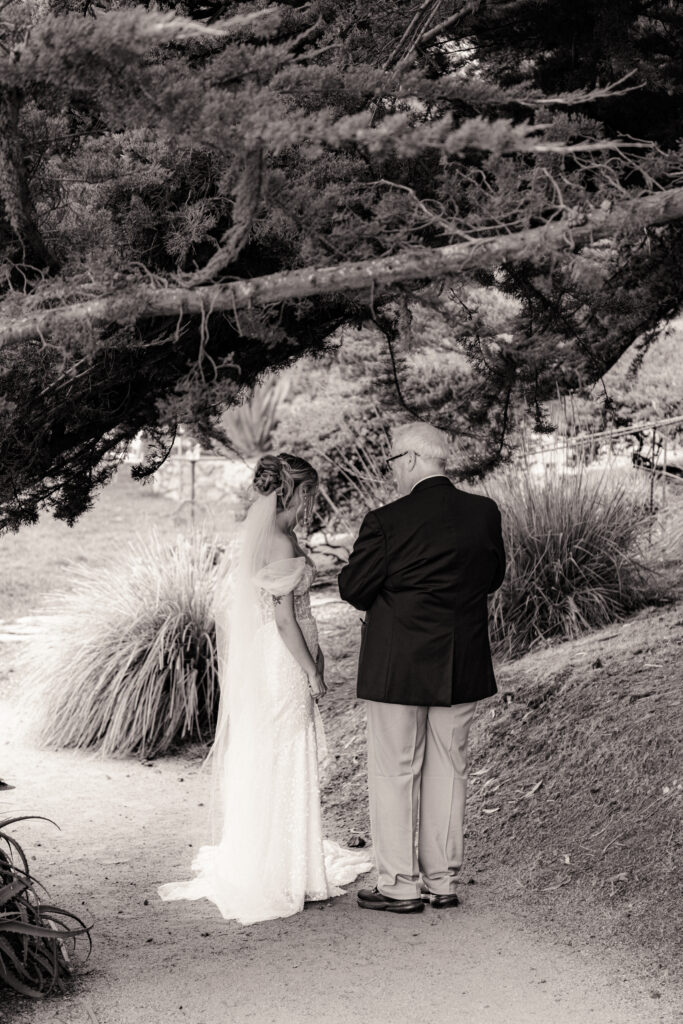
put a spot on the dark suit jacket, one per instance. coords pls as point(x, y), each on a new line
point(421, 569)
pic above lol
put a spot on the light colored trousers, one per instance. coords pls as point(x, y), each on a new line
point(417, 775)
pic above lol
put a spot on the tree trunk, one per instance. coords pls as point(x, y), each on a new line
point(20, 211)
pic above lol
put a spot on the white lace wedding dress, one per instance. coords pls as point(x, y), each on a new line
point(271, 856)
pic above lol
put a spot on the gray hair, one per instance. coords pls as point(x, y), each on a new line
point(428, 441)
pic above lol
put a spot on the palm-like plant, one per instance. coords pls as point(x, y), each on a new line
point(250, 426)
point(126, 661)
point(37, 939)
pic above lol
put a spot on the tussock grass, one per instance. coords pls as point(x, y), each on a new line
point(125, 662)
point(577, 554)
point(358, 463)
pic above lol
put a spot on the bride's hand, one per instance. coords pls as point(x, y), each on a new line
point(317, 685)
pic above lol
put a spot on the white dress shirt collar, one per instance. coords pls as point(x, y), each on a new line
point(430, 477)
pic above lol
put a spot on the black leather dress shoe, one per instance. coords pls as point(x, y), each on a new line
point(440, 900)
point(373, 899)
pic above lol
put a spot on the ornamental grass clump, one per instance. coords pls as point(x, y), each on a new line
point(125, 662)
point(37, 939)
point(576, 555)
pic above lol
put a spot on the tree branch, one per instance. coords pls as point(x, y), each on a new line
point(143, 301)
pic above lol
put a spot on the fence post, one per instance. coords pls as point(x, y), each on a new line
point(193, 463)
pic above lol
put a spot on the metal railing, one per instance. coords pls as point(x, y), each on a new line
point(647, 462)
point(190, 498)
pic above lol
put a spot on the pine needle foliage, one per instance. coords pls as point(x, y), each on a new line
point(126, 661)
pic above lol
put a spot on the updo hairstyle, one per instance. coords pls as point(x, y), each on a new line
point(283, 473)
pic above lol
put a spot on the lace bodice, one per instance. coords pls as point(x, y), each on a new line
point(285, 576)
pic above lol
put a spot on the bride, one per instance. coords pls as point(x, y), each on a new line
point(268, 855)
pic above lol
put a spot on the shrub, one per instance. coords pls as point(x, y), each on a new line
point(37, 940)
point(126, 660)
point(575, 557)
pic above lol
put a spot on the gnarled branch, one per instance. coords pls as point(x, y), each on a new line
point(140, 302)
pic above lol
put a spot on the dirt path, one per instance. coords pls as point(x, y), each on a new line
point(127, 826)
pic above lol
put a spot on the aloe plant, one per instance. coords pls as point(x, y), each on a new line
point(37, 939)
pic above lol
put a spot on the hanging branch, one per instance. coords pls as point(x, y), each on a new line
point(247, 199)
point(406, 45)
point(390, 331)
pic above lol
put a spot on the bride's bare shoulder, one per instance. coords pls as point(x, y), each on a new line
point(282, 546)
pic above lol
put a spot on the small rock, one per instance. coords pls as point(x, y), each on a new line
point(146, 903)
point(597, 663)
point(355, 841)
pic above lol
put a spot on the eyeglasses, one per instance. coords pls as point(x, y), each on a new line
point(392, 457)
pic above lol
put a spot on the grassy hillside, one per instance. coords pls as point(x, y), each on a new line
point(577, 785)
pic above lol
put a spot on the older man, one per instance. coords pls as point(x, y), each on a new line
point(421, 569)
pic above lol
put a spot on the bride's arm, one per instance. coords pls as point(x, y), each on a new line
point(293, 638)
point(289, 629)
